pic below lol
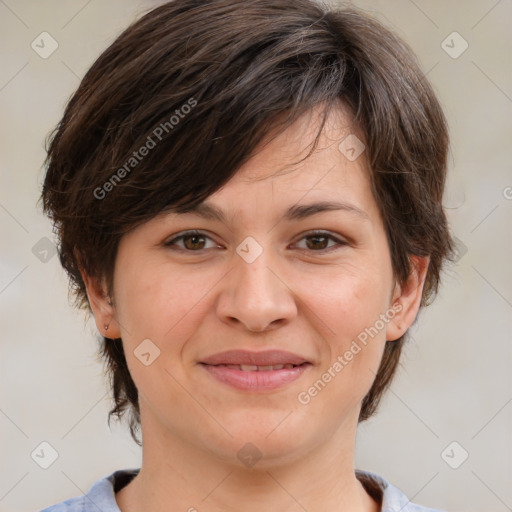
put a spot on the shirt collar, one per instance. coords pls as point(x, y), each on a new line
point(101, 496)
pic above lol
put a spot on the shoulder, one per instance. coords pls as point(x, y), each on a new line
point(100, 496)
point(392, 498)
point(70, 505)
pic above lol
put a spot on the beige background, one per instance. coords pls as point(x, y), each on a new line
point(455, 382)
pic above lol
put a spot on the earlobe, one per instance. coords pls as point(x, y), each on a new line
point(102, 307)
point(406, 299)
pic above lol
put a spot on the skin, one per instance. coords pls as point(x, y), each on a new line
point(294, 296)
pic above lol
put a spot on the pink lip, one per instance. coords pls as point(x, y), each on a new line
point(262, 358)
point(257, 380)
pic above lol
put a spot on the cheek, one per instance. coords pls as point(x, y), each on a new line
point(161, 303)
point(354, 342)
point(164, 307)
point(347, 307)
point(347, 301)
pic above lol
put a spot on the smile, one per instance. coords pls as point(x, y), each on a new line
point(256, 378)
point(254, 368)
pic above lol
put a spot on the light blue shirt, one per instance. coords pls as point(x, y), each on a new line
point(101, 496)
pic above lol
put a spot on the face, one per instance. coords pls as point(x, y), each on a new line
point(270, 275)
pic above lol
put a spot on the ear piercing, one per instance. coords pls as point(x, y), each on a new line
point(105, 326)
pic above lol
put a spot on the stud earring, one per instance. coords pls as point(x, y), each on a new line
point(106, 327)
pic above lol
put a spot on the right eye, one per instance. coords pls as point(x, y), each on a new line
point(193, 241)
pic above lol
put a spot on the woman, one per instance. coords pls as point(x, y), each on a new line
point(248, 197)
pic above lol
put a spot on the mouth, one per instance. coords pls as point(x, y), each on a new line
point(267, 359)
point(256, 368)
point(256, 378)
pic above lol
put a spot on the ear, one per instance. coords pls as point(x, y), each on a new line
point(407, 299)
point(102, 307)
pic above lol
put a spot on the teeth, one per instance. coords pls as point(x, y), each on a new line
point(254, 368)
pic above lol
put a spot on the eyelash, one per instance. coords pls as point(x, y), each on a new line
point(310, 234)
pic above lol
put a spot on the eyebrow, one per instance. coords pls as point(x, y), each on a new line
point(295, 212)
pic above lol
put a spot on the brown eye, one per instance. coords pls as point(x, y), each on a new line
point(319, 242)
point(192, 241)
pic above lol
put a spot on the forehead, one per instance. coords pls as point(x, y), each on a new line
point(283, 160)
point(284, 151)
point(281, 177)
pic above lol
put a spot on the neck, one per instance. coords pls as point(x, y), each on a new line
point(176, 475)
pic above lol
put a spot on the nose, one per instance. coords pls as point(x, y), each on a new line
point(255, 296)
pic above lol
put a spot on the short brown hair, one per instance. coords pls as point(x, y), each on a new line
point(240, 68)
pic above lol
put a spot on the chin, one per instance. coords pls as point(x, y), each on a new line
point(264, 442)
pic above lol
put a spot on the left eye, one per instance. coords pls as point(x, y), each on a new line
point(194, 241)
point(319, 239)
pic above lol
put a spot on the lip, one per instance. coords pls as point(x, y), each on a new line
point(257, 380)
point(262, 358)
